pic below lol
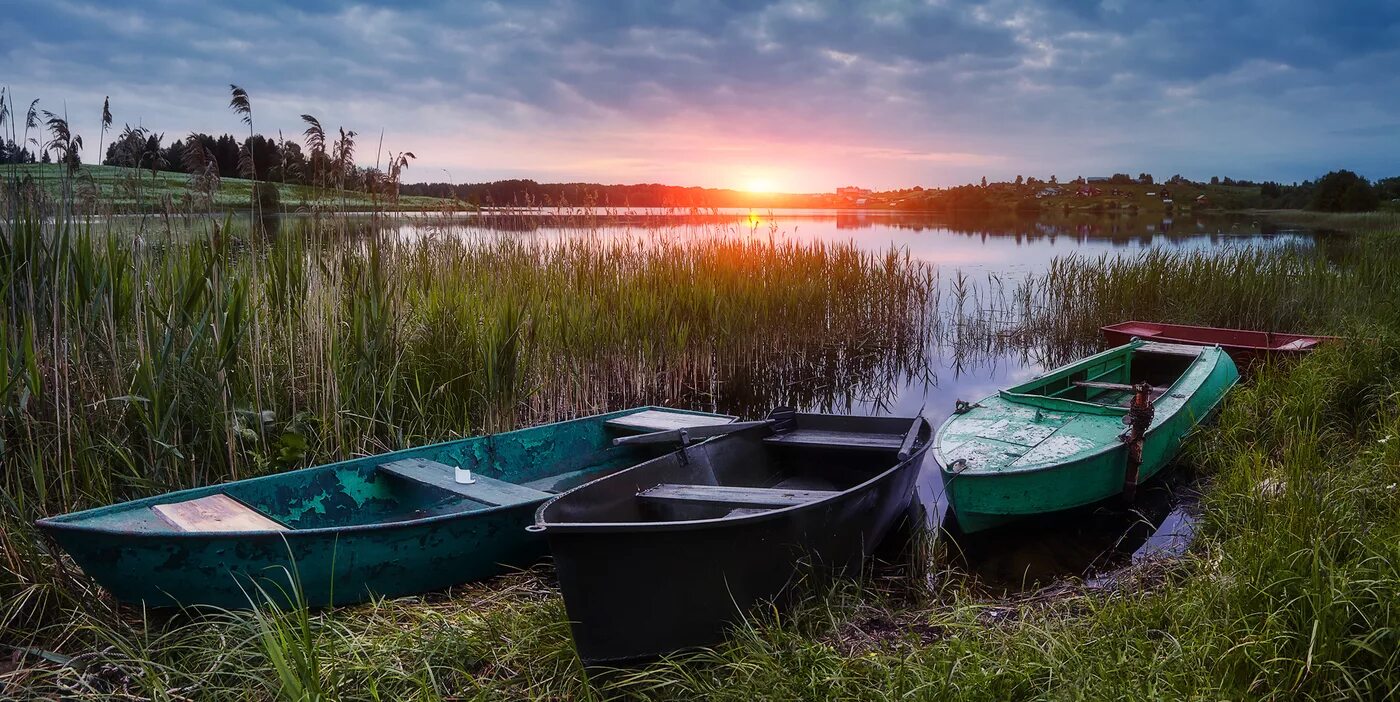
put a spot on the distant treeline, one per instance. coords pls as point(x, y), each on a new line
point(328, 161)
point(257, 158)
point(528, 193)
point(12, 152)
point(1338, 191)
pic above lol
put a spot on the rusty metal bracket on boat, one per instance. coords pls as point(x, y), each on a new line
point(1138, 419)
point(962, 407)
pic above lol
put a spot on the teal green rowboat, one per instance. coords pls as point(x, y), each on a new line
point(387, 525)
point(1062, 440)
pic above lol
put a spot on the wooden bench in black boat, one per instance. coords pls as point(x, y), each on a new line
point(733, 495)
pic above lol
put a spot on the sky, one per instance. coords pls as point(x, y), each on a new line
point(796, 96)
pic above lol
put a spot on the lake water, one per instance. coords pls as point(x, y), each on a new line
point(1087, 543)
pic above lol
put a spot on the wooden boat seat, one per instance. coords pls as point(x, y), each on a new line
point(1171, 349)
point(730, 495)
point(837, 439)
point(1115, 386)
point(215, 513)
point(442, 476)
point(656, 420)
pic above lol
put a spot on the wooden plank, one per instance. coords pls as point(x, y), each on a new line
point(659, 420)
point(1298, 345)
point(837, 439)
point(1170, 349)
point(1114, 386)
point(730, 495)
point(440, 475)
point(215, 513)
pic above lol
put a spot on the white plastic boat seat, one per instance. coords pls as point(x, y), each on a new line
point(1138, 331)
point(731, 495)
point(215, 513)
point(482, 489)
point(659, 420)
point(836, 439)
point(1298, 345)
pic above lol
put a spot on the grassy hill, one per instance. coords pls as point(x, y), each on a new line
point(127, 190)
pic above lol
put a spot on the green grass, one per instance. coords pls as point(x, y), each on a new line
point(130, 368)
point(102, 189)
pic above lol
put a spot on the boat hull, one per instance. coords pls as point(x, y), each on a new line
point(238, 571)
point(638, 591)
point(1245, 346)
point(981, 500)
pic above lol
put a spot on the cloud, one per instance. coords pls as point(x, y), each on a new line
point(883, 92)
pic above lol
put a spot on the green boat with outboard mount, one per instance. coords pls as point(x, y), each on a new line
point(1060, 441)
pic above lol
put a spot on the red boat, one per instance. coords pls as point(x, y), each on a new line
point(1243, 345)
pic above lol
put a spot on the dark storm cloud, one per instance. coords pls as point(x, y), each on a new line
point(909, 91)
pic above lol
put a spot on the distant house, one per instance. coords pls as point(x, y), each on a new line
point(1098, 179)
point(852, 192)
point(1048, 192)
point(1202, 200)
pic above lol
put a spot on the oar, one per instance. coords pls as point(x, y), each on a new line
point(906, 447)
point(684, 436)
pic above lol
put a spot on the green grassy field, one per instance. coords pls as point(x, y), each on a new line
point(131, 368)
point(114, 189)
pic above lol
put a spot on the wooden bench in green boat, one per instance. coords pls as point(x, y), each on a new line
point(482, 489)
point(1170, 349)
point(1117, 393)
point(732, 495)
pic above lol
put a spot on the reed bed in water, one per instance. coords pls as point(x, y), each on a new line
point(136, 360)
point(1286, 289)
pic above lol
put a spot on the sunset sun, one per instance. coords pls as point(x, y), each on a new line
point(758, 185)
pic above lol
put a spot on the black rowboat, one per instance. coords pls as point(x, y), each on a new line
point(665, 555)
